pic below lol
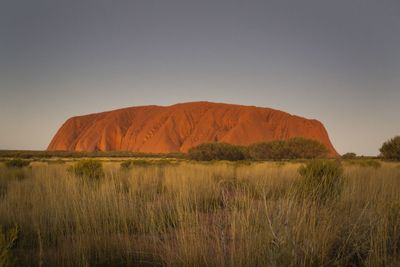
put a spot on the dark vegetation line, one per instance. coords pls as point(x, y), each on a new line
point(295, 148)
point(28, 154)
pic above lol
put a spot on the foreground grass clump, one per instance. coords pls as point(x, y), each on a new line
point(10, 175)
point(7, 242)
point(91, 169)
point(196, 214)
point(321, 180)
point(17, 163)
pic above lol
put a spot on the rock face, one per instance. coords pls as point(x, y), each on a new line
point(159, 129)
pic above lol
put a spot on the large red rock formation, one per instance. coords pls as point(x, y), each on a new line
point(160, 129)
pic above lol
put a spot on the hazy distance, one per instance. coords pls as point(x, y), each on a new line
point(335, 61)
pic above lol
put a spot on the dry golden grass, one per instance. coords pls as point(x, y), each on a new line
point(192, 214)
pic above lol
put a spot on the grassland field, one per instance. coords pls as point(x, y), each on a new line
point(176, 212)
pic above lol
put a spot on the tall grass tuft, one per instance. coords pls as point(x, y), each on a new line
point(321, 180)
point(90, 169)
point(17, 163)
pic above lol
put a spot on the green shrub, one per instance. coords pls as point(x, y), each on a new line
point(294, 148)
point(302, 148)
point(92, 169)
point(321, 181)
point(349, 155)
point(7, 242)
point(17, 163)
point(268, 150)
point(10, 175)
point(390, 150)
point(217, 151)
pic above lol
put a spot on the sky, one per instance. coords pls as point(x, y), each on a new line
point(335, 61)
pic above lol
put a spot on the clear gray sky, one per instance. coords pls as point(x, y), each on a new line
point(337, 61)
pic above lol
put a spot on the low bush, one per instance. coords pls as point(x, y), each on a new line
point(17, 163)
point(390, 150)
point(91, 169)
point(349, 155)
point(321, 181)
point(217, 151)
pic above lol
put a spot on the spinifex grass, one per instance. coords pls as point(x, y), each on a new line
point(217, 214)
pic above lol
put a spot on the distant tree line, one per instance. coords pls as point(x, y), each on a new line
point(294, 148)
point(390, 150)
